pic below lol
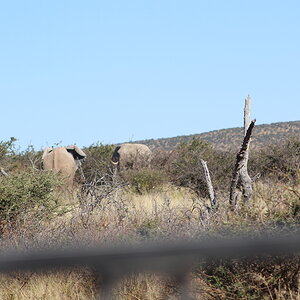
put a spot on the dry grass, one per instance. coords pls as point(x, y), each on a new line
point(48, 286)
point(169, 213)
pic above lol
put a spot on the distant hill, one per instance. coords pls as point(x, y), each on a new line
point(231, 139)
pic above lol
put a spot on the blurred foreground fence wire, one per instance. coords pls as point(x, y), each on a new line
point(176, 259)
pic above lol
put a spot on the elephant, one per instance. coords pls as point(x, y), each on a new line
point(131, 156)
point(63, 159)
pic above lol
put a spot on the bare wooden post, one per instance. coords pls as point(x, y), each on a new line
point(240, 163)
point(209, 184)
point(245, 179)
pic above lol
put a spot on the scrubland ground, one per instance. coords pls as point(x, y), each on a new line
point(167, 202)
point(166, 213)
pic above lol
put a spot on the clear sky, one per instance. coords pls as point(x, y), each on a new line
point(114, 71)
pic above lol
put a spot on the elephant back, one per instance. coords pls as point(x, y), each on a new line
point(132, 156)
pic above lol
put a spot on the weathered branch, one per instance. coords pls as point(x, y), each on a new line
point(247, 114)
point(245, 179)
point(240, 163)
point(3, 172)
point(210, 189)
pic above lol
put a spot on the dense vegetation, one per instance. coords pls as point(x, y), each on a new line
point(166, 201)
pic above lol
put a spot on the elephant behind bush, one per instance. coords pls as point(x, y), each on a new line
point(132, 156)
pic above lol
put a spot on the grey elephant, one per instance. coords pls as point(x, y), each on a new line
point(63, 159)
point(131, 156)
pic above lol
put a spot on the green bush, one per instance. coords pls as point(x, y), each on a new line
point(145, 180)
point(14, 161)
point(281, 162)
point(187, 170)
point(98, 161)
point(7, 151)
point(27, 191)
point(7, 147)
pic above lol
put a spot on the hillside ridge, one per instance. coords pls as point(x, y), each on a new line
point(231, 138)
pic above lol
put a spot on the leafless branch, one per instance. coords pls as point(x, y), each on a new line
point(3, 172)
point(209, 184)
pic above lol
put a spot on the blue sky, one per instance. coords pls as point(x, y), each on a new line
point(113, 71)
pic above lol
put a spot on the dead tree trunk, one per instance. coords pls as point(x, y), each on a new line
point(241, 159)
point(246, 182)
point(209, 184)
point(247, 114)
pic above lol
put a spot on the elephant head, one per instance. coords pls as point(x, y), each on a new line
point(63, 159)
point(131, 156)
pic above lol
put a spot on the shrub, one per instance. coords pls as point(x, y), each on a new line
point(14, 161)
point(98, 161)
point(280, 162)
point(255, 278)
point(7, 150)
point(187, 170)
point(7, 147)
point(25, 161)
point(144, 180)
point(26, 191)
point(162, 159)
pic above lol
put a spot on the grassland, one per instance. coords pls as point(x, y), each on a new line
point(166, 202)
point(169, 213)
